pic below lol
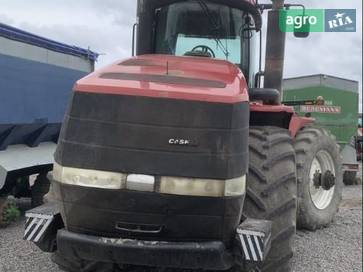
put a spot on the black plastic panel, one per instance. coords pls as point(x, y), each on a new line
point(155, 136)
point(181, 218)
point(278, 119)
point(200, 256)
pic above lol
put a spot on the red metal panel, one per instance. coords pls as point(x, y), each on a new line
point(297, 123)
point(271, 108)
point(195, 68)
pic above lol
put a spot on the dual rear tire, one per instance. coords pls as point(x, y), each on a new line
point(271, 191)
point(276, 162)
point(319, 176)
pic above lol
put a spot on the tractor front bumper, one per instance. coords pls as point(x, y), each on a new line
point(250, 245)
point(188, 255)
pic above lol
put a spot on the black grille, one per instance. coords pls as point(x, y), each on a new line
point(155, 136)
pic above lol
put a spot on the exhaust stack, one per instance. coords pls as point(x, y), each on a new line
point(275, 49)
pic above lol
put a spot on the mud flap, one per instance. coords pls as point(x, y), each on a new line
point(253, 239)
point(42, 224)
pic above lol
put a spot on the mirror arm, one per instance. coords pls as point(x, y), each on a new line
point(294, 5)
point(258, 77)
point(134, 27)
point(263, 7)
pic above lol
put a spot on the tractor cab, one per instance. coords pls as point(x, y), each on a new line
point(224, 30)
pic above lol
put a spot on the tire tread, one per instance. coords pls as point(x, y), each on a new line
point(272, 185)
point(303, 144)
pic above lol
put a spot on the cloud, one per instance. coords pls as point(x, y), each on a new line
point(103, 26)
point(6, 19)
point(336, 54)
point(93, 37)
point(122, 12)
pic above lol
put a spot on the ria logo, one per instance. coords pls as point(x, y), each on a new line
point(340, 20)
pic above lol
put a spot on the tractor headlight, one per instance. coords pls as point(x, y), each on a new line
point(202, 187)
point(235, 187)
point(89, 178)
point(164, 185)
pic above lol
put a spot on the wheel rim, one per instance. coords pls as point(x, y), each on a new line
point(321, 163)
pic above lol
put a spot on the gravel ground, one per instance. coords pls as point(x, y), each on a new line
point(338, 248)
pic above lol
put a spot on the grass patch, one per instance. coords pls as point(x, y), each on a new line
point(10, 213)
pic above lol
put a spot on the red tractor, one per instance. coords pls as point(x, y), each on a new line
point(178, 158)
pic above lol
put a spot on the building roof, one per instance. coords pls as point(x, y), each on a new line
point(321, 80)
point(16, 34)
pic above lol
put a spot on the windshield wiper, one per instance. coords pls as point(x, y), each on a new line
point(215, 25)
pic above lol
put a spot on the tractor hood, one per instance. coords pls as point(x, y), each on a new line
point(159, 115)
point(169, 118)
point(163, 76)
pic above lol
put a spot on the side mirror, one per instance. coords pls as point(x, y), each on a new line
point(301, 34)
point(302, 26)
point(303, 31)
point(295, 20)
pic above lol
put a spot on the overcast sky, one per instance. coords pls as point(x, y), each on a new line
point(105, 26)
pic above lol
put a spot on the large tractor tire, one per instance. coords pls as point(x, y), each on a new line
point(39, 190)
point(320, 178)
point(271, 191)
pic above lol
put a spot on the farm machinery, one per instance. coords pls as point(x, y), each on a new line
point(178, 158)
point(36, 78)
point(333, 103)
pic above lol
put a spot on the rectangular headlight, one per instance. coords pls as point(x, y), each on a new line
point(147, 183)
point(235, 187)
point(203, 187)
point(89, 178)
point(191, 186)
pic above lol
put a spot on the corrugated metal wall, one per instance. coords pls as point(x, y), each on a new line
point(35, 86)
